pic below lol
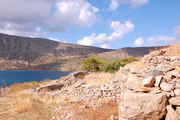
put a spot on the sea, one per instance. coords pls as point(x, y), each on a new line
point(8, 78)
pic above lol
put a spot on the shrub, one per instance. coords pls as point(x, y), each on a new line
point(93, 64)
point(113, 67)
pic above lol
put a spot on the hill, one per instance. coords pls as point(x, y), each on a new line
point(24, 53)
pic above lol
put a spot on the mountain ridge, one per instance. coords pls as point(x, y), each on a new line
point(18, 52)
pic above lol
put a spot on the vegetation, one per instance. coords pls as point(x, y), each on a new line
point(94, 64)
point(113, 67)
point(128, 60)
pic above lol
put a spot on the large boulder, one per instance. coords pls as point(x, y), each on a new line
point(142, 106)
point(171, 113)
point(175, 100)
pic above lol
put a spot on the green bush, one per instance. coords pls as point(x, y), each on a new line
point(113, 67)
point(93, 64)
point(128, 60)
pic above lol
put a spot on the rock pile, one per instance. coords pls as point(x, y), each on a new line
point(151, 92)
point(155, 93)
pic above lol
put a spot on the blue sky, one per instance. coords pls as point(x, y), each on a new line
point(101, 23)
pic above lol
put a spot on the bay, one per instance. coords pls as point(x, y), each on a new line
point(8, 78)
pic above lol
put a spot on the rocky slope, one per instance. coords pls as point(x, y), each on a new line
point(145, 90)
point(41, 54)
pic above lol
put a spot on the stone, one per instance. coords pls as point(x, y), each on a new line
point(177, 92)
point(78, 83)
point(154, 72)
point(146, 89)
point(148, 82)
point(156, 91)
point(80, 75)
point(50, 88)
point(167, 78)
point(133, 82)
point(171, 113)
point(166, 87)
point(178, 112)
point(142, 106)
point(158, 80)
point(172, 66)
point(174, 73)
point(175, 100)
point(177, 68)
point(173, 58)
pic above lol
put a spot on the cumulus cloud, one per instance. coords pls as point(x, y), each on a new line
point(119, 30)
point(139, 41)
point(154, 41)
point(25, 16)
point(134, 3)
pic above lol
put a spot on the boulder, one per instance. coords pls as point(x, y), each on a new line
point(178, 112)
point(149, 82)
point(166, 87)
point(174, 74)
point(154, 72)
point(175, 100)
point(171, 113)
point(142, 106)
point(177, 92)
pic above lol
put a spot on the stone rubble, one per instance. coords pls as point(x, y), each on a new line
point(148, 93)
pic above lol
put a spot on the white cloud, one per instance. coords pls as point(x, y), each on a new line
point(106, 46)
point(119, 30)
point(154, 41)
point(134, 3)
point(25, 16)
point(139, 41)
point(24, 29)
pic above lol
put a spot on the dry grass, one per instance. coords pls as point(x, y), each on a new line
point(98, 78)
point(135, 64)
point(103, 111)
point(22, 105)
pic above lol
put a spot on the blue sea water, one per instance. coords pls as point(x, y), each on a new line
point(10, 77)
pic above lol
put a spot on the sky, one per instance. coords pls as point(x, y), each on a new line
point(102, 23)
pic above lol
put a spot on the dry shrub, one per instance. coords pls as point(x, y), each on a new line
point(98, 78)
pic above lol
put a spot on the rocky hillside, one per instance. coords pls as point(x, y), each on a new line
point(148, 89)
point(15, 46)
point(23, 53)
point(125, 53)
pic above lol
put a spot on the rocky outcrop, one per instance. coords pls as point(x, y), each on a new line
point(135, 106)
point(158, 96)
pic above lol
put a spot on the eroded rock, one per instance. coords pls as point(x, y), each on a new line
point(142, 106)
